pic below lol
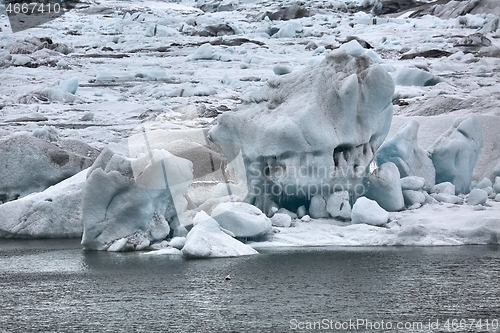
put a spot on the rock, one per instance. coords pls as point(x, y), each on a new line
point(30, 165)
point(281, 220)
point(53, 213)
point(338, 205)
point(207, 240)
point(477, 197)
point(412, 183)
point(496, 186)
point(133, 198)
point(317, 207)
point(385, 187)
point(292, 128)
point(369, 212)
point(404, 152)
point(484, 183)
point(242, 219)
point(287, 13)
point(413, 197)
point(445, 187)
point(455, 153)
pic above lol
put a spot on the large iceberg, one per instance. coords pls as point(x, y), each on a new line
point(312, 132)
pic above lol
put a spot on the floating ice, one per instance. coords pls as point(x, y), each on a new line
point(455, 153)
point(242, 219)
point(207, 240)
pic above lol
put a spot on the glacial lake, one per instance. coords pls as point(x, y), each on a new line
point(54, 286)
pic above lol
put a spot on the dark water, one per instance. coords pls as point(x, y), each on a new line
point(53, 286)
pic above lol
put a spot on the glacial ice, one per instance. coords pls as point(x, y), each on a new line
point(369, 212)
point(207, 240)
point(385, 187)
point(30, 164)
point(281, 220)
point(310, 131)
point(133, 198)
point(317, 207)
point(477, 197)
point(455, 153)
point(242, 219)
point(69, 86)
point(338, 205)
point(404, 152)
point(412, 183)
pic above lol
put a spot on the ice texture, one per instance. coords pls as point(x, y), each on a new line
point(455, 153)
point(207, 240)
point(385, 187)
point(369, 212)
point(53, 213)
point(242, 219)
point(404, 152)
point(310, 133)
point(133, 198)
point(30, 164)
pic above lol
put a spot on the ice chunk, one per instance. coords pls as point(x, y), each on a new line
point(282, 69)
point(281, 220)
point(47, 133)
point(242, 219)
point(413, 183)
point(31, 165)
point(477, 197)
point(404, 152)
point(287, 212)
point(317, 207)
point(415, 77)
point(385, 187)
point(448, 198)
point(413, 197)
point(455, 153)
point(69, 86)
point(369, 212)
point(445, 187)
point(484, 183)
point(204, 52)
point(338, 205)
point(288, 30)
point(353, 48)
point(301, 211)
point(207, 240)
point(134, 199)
point(53, 213)
point(496, 186)
point(311, 132)
point(177, 242)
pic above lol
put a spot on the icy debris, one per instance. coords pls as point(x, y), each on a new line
point(305, 218)
point(242, 219)
point(30, 164)
point(415, 77)
point(177, 242)
point(455, 153)
point(288, 30)
point(477, 197)
point(292, 215)
point(62, 64)
point(404, 152)
point(317, 207)
point(296, 122)
point(281, 220)
point(445, 187)
point(413, 183)
point(413, 197)
point(204, 52)
point(353, 48)
point(131, 198)
point(53, 213)
point(301, 211)
point(385, 187)
point(484, 183)
point(69, 86)
point(47, 133)
point(20, 60)
point(282, 69)
point(338, 205)
point(88, 116)
point(369, 212)
point(207, 240)
point(496, 186)
point(448, 198)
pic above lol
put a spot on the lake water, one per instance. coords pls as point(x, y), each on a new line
point(54, 286)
